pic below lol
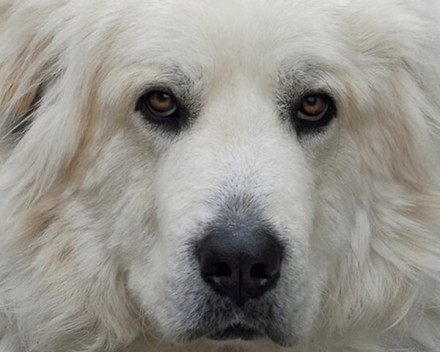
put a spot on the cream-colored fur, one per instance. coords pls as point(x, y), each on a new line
point(97, 207)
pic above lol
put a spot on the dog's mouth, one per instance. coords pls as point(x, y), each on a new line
point(240, 325)
point(234, 332)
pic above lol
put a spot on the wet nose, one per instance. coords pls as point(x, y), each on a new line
point(240, 263)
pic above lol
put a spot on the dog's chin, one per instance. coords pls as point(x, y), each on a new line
point(238, 333)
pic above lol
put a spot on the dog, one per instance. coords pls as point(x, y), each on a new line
point(219, 176)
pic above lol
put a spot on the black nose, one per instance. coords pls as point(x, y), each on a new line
point(240, 263)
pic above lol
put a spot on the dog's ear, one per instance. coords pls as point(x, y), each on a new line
point(19, 96)
point(34, 140)
point(26, 66)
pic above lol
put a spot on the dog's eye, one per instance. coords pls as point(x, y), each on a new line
point(313, 107)
point(313, 112)
point(158, 106)
point(161, 104)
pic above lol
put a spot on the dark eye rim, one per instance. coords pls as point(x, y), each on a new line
point(304, 126)
point(144, 108)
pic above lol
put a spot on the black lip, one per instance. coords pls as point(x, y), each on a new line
point(234, 332)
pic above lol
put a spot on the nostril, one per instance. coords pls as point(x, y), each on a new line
point(222, 270)
point(258, 271)
point(218, 269)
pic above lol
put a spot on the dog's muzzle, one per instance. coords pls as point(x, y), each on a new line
point(239, 263)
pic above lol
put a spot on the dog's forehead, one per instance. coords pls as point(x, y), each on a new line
point(232, 33)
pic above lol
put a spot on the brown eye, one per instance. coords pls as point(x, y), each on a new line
point(161, 104)
point(160, 108)
point(313, 107)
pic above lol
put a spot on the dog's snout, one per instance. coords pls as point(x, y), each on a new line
point(240, 263)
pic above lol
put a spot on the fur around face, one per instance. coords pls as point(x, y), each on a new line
point(99, 208)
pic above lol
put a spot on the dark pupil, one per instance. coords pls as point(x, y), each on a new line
point(162, 97)
point(312, 101)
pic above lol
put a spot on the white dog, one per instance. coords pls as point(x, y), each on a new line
point(230, 175)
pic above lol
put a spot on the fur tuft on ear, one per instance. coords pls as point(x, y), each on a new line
point(27, 64)
point(34, 98)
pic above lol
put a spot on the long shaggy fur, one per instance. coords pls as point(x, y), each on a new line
point(97, 207)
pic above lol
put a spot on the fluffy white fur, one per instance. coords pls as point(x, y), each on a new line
point(96, 206)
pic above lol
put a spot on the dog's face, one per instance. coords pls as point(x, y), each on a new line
point(233, 119)
point(227, 158)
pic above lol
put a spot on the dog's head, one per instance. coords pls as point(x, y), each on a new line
point(224, 170)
